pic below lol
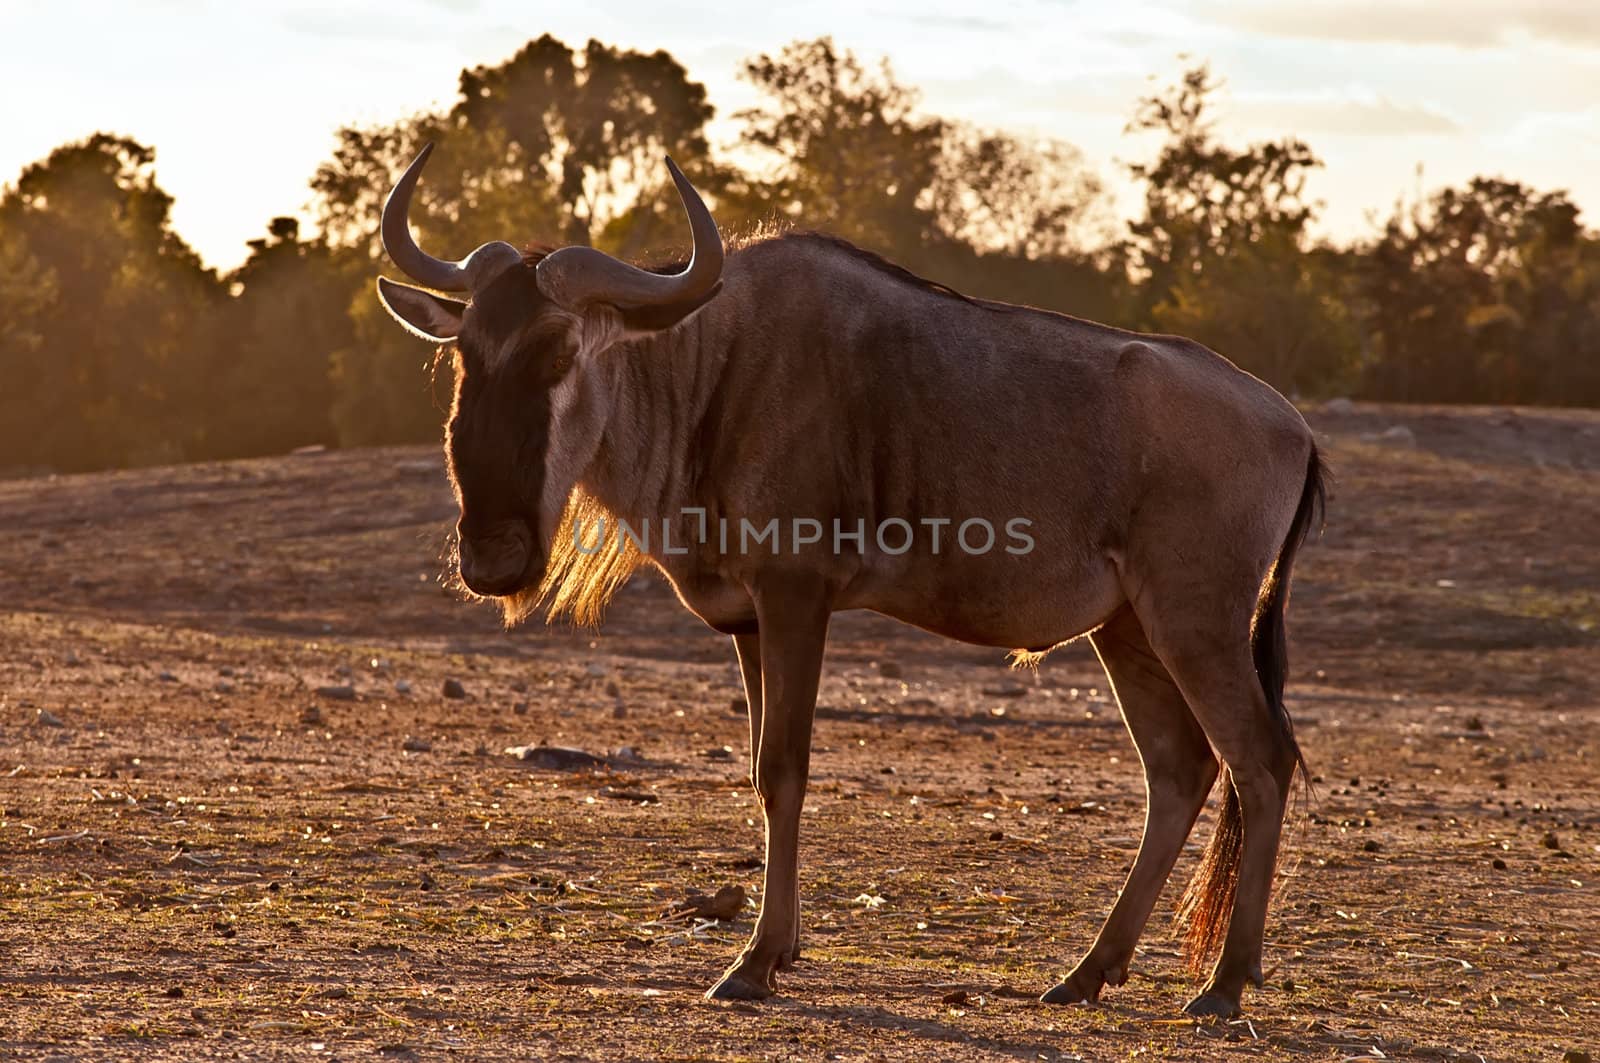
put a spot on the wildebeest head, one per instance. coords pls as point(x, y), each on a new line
point(523, 338)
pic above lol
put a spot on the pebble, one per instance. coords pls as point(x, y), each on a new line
point(1371, 847)
point(1399, 435)
point(339, 692)
point(48, 718)
point(1550, 840)
point(719, 753)
point(401, 686)
point(1338, 406)
point(890, 670)
point(311, 715)
point(453, 689)
point(520, 708)
point(166, 677)
point(955, 997)
point(413, 744)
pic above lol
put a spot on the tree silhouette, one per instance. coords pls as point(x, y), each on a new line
point(844, 147)
point(270, 379)
point(594, 124)
point(102, 359)
point(1221, 246)
point(118, 347)
point(1485, 293)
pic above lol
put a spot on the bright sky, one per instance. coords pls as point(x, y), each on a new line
point(241, 99)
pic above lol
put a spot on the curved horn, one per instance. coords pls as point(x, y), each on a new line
point(470, 273)
point(576, 276)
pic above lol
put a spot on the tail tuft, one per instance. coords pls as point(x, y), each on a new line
point(1207, 903)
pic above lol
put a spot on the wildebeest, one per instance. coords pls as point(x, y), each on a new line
point(802, 383)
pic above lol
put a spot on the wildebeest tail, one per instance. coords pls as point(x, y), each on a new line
point(1207, 904)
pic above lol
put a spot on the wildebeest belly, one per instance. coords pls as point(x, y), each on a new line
point(1018, 601)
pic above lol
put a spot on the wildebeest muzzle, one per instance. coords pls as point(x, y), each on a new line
point(500, 561)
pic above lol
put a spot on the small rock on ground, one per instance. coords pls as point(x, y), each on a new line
point(723, 906)
point(558, 758)
point(1399, 435)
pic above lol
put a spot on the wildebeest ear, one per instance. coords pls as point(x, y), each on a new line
point(433, 317)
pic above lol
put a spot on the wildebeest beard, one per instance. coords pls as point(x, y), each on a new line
point(576, 584)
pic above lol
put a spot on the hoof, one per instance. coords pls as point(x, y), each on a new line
point(1084, 984)
point(1212, 1004)
point(1071, 991)
point(736, 986)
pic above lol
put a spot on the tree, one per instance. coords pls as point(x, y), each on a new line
point(593, 125)
point(1485, 293)
point(386, 386)
point(1222, 246)
point(102, 361)
point(553, 144)
point(1204, 199)
point(29, 294)
point(270, 381)
point(843, 147)
point(1275, 311)
point(1000, 194)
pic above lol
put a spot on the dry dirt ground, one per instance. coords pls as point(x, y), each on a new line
point(239, 817)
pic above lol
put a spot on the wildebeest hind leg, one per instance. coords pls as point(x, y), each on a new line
point(1218, 677)
point(1179, 771)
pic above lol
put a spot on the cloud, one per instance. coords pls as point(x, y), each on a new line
point(956, 22)
point(1375, 116)
point(1464, 24)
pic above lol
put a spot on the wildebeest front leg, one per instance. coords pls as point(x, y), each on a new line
point(748, 647)
point(793, 619)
